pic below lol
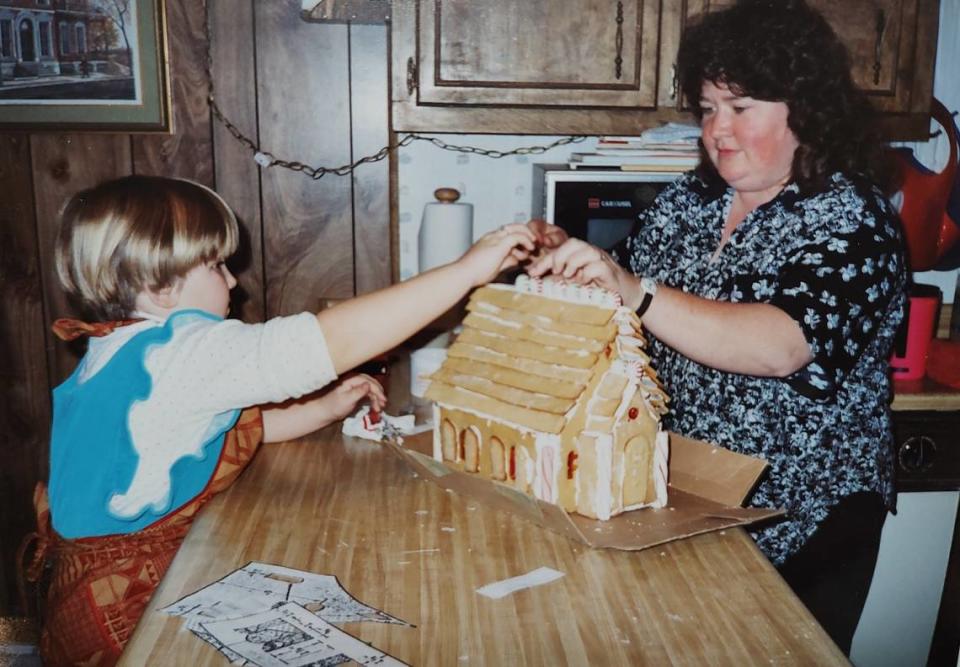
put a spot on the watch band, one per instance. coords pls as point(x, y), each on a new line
point(649, 287)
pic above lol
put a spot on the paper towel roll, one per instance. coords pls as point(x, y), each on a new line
point(446, 230)
point(423, 362)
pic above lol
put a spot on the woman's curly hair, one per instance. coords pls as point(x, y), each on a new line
point(784, 51)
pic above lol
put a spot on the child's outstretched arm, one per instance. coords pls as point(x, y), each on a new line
point(361, 328)
point(299, 417)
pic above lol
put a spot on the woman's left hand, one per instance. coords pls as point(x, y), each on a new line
point(579, 262)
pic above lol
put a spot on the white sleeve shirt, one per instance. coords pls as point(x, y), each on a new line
point(206, 372)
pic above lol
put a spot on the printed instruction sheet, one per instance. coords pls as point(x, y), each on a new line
point(290, 636)
point(257, 590)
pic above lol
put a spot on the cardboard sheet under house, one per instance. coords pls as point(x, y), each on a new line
point(707, 488)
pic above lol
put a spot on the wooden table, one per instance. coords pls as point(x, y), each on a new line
point(349, 507)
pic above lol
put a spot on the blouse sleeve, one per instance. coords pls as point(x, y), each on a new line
point(210, 367)
point(838, 290)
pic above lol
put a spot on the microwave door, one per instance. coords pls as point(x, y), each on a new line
point(602, 213)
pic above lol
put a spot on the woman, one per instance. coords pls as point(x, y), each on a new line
point(772, 281)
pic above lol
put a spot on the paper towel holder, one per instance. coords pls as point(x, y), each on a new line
point(446, 230)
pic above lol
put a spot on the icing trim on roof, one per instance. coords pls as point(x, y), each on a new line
point(564, 291)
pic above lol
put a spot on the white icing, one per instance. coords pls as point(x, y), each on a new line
point(564, 291)
point(510, 324)
point(576, 341)
point(603, 493)
point(661, 458)
point(545, 484)
point(549, 348)
point(437, 445)
point(625, 400)
point(528, 467)
point(477, 306)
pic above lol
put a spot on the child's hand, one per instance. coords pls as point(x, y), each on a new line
point(342, 400)
point(306, 415)
point(498, 250)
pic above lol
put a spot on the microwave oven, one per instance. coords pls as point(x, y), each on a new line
point(599, 206)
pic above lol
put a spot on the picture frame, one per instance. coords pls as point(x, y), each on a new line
point(97, 65)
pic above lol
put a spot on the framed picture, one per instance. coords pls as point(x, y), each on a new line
point(83, 65)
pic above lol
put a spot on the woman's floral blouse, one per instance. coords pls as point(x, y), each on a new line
point(833, 262)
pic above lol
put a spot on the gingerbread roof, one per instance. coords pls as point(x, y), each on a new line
point(527, 358)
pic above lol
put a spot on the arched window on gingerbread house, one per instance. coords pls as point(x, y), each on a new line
point(448, 440)
point(470, 449)
point(498, 459)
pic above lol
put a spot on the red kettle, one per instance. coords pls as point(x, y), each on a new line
point(929, 229)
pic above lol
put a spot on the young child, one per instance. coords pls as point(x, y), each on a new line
point(158, 415)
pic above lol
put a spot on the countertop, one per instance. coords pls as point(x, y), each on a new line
point(351, 508)
point(924, 394)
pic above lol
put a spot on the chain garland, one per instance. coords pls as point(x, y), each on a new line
point(267, 159)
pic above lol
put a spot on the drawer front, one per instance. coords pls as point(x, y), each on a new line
point(927, 450)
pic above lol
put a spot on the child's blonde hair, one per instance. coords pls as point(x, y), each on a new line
point(136, 233)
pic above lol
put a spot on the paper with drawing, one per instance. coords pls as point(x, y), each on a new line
point(259, 588)
point(290, 636)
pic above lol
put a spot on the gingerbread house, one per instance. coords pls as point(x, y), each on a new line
point(548, 390)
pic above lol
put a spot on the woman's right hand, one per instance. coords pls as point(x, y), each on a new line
point(579, 262)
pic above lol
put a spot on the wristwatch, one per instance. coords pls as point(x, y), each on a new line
point(649, 287)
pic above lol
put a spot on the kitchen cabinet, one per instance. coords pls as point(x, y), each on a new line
point(892, 50)
point(526, 66)
point(892, 46)
point(536, 53)
point(608, 66)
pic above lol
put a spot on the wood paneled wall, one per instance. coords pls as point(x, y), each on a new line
point(315, 93)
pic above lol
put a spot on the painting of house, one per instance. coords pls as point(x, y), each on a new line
point(67, 49)
point(548, 390)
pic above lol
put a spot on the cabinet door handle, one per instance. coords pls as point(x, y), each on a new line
point(411, 76)
point(618, 61)
point(881, 24)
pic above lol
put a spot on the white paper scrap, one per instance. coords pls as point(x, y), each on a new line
point(290, 636)
point(538, 577)
point(377, 425)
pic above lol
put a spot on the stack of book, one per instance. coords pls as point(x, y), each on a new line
point(671, 148)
